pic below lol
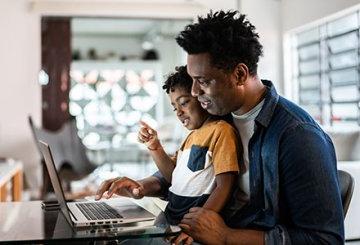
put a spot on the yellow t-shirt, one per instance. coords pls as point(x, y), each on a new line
point(206, 152)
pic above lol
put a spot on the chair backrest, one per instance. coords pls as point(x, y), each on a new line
point(66, 146)
point(346, 183)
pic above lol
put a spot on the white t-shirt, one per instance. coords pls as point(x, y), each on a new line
point(245, 124)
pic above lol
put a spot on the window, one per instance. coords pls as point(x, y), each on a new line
point(327, 70)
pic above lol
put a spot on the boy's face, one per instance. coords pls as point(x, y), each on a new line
point(187, 108)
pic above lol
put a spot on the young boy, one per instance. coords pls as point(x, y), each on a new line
point(205, 167)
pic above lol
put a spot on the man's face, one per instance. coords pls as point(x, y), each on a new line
point(214, 88)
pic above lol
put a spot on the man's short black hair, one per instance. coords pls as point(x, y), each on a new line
point(229, 39)
point(179, 79)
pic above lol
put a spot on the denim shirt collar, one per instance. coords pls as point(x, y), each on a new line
point(271, 99)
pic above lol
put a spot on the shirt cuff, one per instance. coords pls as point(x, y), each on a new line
point(277, 236)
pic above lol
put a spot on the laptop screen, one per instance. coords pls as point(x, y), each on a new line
point(55, 181)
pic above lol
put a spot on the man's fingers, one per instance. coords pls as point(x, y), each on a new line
point(126, 187)
point(99, 194)
point(194, 209)
point(193, 212)
point(122, 186)
point(113, 187)
point(187, 221)
point(190, 215)
point(184, 226)
point(103, 188)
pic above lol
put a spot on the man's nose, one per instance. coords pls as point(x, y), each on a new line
point(195, 89)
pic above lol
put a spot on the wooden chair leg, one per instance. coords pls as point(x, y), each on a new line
point(17, 186)
point(3, 193)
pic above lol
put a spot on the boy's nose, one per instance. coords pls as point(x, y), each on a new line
point(179, 112)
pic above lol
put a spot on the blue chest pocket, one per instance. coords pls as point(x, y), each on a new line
point(197, 158)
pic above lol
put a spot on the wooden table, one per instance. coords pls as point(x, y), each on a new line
point(11, 172)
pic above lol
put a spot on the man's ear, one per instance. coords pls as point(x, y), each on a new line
point(241, 73)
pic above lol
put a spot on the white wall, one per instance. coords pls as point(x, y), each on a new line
point(265, 15)
point(218, 5)
point(300, 12)
point(20, 94)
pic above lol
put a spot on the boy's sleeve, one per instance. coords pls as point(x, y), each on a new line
point(224, 152)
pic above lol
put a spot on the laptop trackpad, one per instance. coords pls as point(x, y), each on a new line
point(128, 209)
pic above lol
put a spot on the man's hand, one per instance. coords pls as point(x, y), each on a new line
point(204, 225)
point(121, 186)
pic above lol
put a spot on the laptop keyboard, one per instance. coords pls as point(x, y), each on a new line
point(98, 210)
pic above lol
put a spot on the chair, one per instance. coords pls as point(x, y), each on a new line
point(347, 184)
point(68, 151)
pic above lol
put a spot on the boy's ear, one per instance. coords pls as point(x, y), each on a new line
point(241, 73)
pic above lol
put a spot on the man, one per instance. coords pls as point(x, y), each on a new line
point(289, 179)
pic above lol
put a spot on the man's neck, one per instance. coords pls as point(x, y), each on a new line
point(253, 92)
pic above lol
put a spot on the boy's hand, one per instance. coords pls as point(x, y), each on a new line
point(148, 136)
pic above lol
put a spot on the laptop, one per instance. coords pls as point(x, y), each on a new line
point(93, 213)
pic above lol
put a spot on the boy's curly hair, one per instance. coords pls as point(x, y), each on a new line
point(228, 39)
point(180, 79)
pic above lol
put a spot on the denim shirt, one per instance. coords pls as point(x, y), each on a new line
point(294, 191)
